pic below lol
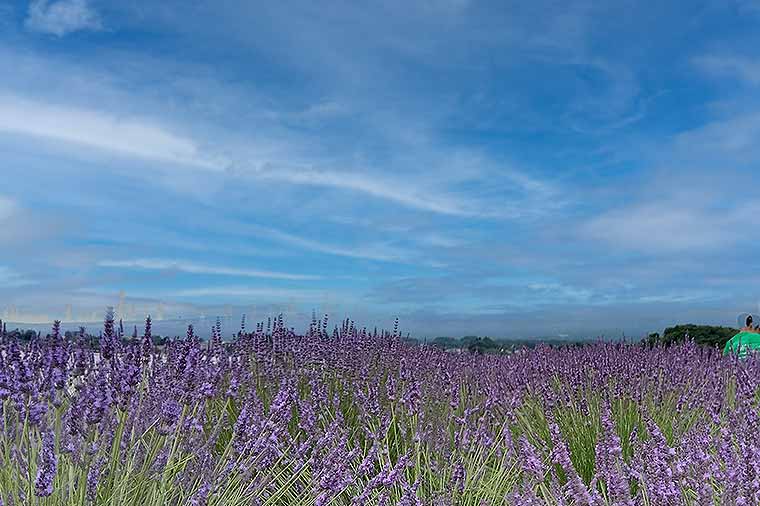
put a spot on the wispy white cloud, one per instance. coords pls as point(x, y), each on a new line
point(12, 279)
point(195, 268)
point(438, 240)
point(22, 227)
point(379, 252)
point(244, 291)
point(323, 110)
point(723, 140)
point(675, 298)
point(258, 144)
point(146, 139)
point(62, 17)
point(744, 69)
point(394, 191)
point(6, 15)
point(671, 226)
point(7, 207)
point(561, 291)
point(129, 136)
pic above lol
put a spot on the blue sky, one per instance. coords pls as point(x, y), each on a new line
point(500, 168)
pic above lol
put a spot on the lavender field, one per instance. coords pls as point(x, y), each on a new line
point(351, 417)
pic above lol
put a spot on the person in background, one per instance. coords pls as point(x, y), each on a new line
point(746, 341)
point(750, 325)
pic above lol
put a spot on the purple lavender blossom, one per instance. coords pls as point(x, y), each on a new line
point(47, 466)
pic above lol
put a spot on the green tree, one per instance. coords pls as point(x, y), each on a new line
point(705, 335)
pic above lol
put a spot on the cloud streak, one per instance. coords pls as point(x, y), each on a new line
point(245, 291)
point(727, 65)
point(145, 139)
point(393, 191)
point(11, 279)
point(62, 17)
point(121, 134)
point(377, 252)
point(671, 227)
point(195, 268)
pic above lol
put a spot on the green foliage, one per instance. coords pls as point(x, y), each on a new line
point(480, 345)
point(22, 335)
point(446, 342)
point(483, 345)
point(704, 335)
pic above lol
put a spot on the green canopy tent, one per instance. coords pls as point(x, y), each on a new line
point(742, 343)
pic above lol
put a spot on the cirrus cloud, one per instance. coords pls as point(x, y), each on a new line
point(195, 268)
point(62, 17)
point(670, 227)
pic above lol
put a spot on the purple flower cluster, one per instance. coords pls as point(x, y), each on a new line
point(358, 417)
